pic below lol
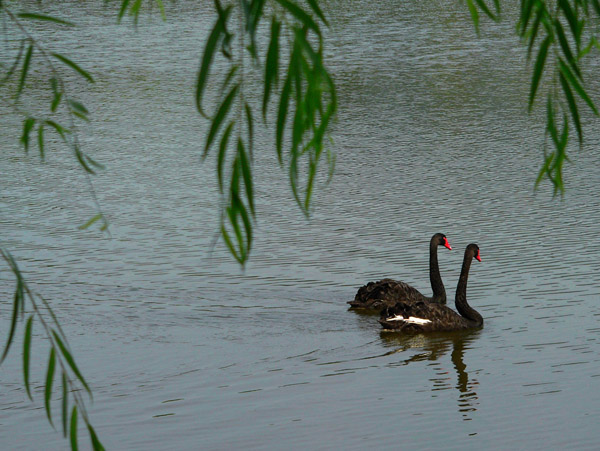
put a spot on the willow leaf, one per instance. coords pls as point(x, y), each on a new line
point(315, 7)
point(91, 221)
point(300, 14)
point(474, 14)
point(13, 323)
point(73, 428)
point(65, 404)
point(229, 244)
point(526, 8)
point(538, 69)
point(271, 63)
point(25, 69)
point(45, 18)
point(574, 82)
point(27, 127)
point(59, 128)
point(572, 105)
point(123, 9)
point(222, 153)
point(73, 66)
point(40, 136)
point(207, 57)
point(486, 10)
point(250, 122)
point(49, 381)
point(246, 174)
point(96, 445)
point(27, 353)
point(284, 101)
point(564, 45)
point(571, 17)
point(69, 358)
point(219, 117)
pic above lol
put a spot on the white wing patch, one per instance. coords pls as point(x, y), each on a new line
point(410, 319)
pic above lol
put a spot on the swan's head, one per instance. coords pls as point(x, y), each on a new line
point(473, 249)
point(439, 239)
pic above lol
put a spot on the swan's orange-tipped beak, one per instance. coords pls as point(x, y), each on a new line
point(478, 257)
point(447, 244)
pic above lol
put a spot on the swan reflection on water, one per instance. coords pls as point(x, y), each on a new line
point(432, 347)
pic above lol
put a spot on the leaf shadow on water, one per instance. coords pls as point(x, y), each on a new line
point(432, 347)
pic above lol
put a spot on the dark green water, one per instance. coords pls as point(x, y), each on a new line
point(185, 351)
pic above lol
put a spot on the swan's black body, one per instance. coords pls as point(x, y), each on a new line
point(427, 317)
point(386, 292)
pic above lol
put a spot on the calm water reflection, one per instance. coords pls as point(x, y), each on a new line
point(182, 348)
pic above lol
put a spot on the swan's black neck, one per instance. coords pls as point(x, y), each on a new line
point(439, 292)
point(462, 305)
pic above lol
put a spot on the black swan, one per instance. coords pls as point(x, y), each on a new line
point(386, 292)
point(427, 317)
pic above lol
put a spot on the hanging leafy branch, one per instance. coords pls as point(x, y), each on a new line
point(28, 304)
point(560, 30)
point(29, 307)
point(291, 66)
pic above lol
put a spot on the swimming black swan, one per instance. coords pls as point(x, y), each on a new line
point(427, 317)
point(386, 292)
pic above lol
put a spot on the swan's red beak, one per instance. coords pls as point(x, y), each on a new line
point(447, 244)
point(478, 257)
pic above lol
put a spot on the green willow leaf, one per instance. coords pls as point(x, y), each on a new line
point(300, 14)
point(161, 8)
point(246, 174)
point(65, 352)
point(73, 66)
point(545, 170)
point(526, 8)
point(45, 18)
point(25, 69)
point(26, 354)
point(78, 106)
point(96, 445)
point(284, 101)
point(538, 69)
point(574, 82)
point(229, 244)
point(572, 105)
point(271, 64)
point(486, 10)
point(73, 428)
point(534, 31)
point(27, 127)
point(49, 381)
point(123, 9)
point(229, 77)
point(91, 221)
point(564, 45)
point(40, 137)
point(571, 17)
point(250, 122)
point(59, 129)
point(65, 404)
point(12, 69)
point(219, 117)
point(474, 14)
point(596, 5)
point(207, 57)
point(315, 7)
point(82, 160)
point(550, 122)
point(56, 101)
point(17, 302)
point(222, 152)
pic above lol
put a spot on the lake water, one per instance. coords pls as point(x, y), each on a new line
point(184, 350)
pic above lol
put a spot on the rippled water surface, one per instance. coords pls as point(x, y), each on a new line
point(184, 349)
